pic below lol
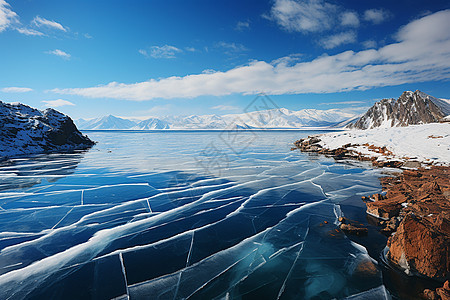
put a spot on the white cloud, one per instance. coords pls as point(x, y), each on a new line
point(57, 103)
point(165, 51)
point(242, 25)
point(190, 49)
point(420, 54)
point(369, 44)
point(287, 60)
point(231, 48)
point(14, 89)
point(59, 53)
point(336, 40)
point(376, 16)
point(41, 22)
point(303, 16)
point(343, 103)
point(7, 16)
point(350, 18)
point(29, 31)
point(226, 108)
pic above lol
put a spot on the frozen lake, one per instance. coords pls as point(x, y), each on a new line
point(176, 215)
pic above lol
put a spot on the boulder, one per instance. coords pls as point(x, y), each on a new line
point(417, 247)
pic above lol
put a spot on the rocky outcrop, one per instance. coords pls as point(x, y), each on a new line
point(349, 151)
point(25, 130)
point(409, 109)
point(417, 208)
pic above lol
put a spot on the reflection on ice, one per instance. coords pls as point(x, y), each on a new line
point(264, 229)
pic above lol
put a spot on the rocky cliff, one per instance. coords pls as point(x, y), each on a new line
point(410, 108)
point(26, 130)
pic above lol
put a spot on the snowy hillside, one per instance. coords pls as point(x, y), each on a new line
point(409, 109)
point(274, 118)
point(26, 130)
point(428, 143)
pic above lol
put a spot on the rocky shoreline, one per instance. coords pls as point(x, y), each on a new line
point(414, 209)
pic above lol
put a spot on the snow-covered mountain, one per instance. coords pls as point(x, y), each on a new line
point(106, 122)
point(26, 130)
point(410, 108)
point(152, 123)
point(273, 118)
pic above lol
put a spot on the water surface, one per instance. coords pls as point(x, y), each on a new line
point(176, 215)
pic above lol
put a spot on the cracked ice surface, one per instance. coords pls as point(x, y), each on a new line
point(144, 218)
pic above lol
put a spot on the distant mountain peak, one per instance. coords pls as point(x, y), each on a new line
point(410, 108)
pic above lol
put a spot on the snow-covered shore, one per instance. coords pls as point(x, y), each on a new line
point(427, 143)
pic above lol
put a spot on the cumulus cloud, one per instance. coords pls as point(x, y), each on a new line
point(339, 39)
point(376, 16)
point(15, 89)
point(303, 16)
point(7, 16)
point(165, 51)
point(57, 103)
point(350, 18)
point(59, 53)
point(42, 22)
point(420, 54)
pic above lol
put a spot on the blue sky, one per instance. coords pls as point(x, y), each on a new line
point(149, 58)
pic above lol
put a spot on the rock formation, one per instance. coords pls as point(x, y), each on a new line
point(409, 109)
point(25, 130)
point(421, 200)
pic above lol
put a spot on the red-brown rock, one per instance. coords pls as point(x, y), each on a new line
point(418, 247)
point(444, 292)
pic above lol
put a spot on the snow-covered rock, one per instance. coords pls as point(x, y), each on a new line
point(26, 130)
point(410, 108)
point(427, 143)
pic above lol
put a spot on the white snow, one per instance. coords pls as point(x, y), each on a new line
point(271, 118)
point(413, 142)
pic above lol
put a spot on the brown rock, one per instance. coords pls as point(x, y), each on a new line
point(351, 229)
point(417, 247)
point(366, 268)
point(385, 209)
point(377, 197)
point(444, 294)
point(430, 295)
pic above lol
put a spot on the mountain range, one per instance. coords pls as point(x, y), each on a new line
point(267, 119)
point(409, 109)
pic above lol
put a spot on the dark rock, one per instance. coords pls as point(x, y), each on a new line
point(25, 130)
